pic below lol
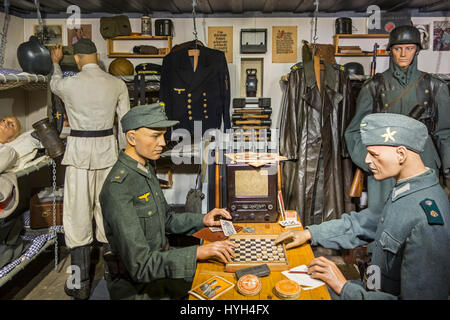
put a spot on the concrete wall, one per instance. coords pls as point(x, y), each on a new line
point(428, 60)
point(20, 29)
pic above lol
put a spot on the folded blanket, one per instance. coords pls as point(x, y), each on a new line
point(26, 147)
point(8, 157)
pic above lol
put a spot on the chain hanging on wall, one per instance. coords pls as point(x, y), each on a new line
point(194, 4)
point(315, 37)
point(41, 24)
point(4, 33)
point(55, 234)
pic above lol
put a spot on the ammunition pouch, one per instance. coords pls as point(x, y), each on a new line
point(111, 27)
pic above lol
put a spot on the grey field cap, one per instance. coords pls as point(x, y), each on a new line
point(390, 129)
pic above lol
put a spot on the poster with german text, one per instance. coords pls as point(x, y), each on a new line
point(221, 38)
point(284, 44)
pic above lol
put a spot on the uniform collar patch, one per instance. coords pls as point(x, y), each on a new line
point(141, 167)
point(401, 190)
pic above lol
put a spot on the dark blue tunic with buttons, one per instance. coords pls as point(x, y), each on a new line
point(203, 95)
point(411, 234)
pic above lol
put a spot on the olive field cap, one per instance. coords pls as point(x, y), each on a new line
point(84, 46)
point(149, 116)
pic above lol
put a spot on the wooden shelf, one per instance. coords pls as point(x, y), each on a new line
point(357, 36)
point(113, 54)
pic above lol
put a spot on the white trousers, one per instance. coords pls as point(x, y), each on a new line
point(81, 204)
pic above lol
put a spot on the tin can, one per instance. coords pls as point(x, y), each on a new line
point(146, 26)
point(343, 26)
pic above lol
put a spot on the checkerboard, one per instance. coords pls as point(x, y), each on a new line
point(258, 249)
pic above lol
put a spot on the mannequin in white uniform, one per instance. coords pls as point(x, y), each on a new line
point(91, 98)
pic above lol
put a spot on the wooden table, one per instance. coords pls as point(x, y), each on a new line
point(297, 256)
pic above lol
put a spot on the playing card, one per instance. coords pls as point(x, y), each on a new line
point(214, 229)
point(227, 227)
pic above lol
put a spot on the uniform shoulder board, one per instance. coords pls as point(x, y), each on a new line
point(440, 77)
point(119, 176)
point(432, 211)
point(297, 66)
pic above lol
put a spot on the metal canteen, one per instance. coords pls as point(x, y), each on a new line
point(49, 138)
point(34, 57)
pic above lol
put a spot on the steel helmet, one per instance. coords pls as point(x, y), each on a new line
point(404, 35)
point(354, 67)
point(121, 67)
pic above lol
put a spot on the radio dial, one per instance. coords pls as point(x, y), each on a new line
point(270, 207)
point(252, 216)
point(267, 217)
point(233, 207)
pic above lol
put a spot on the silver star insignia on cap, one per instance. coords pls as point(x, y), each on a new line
point(389, 135)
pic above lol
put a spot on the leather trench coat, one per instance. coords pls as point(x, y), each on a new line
point(318, 173)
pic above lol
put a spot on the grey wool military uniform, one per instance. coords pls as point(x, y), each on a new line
point(412, 247)
point(136, 220)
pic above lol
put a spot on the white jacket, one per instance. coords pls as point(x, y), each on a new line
point(91, 98)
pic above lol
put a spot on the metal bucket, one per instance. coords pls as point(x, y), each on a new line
point(49, 138)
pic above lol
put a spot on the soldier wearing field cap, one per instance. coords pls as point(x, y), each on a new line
point(92, 98)
point(411, 232)
point(137, 217)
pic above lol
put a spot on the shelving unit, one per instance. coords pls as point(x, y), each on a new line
point(357, 36)
point(113, 54)
point(41, 239)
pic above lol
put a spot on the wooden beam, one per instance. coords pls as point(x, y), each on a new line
point(237, 6)
point(269, 6)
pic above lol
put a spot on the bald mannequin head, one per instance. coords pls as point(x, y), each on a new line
point(82, 59)
point(10, 129)
point(393, 162)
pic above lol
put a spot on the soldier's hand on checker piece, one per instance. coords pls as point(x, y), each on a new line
point(223, 250)
point(293, 238)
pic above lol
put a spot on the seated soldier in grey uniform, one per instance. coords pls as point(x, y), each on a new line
point(411, 232)
point(137, 217)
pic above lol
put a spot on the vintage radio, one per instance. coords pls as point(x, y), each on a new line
point(252, 192)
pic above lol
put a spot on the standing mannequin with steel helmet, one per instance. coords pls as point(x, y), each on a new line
point(398, 90)
point(92, 98)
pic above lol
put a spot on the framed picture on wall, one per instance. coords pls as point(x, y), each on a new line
point(441, 33)
point(73, 35)
point(52, 34)
point(424, 30)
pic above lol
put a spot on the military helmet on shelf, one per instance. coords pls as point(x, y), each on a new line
point(121, 67)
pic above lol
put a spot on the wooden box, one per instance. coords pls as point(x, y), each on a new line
point(41, 213)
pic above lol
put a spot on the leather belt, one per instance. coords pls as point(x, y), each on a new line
point(91, 133)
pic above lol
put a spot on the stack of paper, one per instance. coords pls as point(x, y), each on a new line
point(304, 280)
